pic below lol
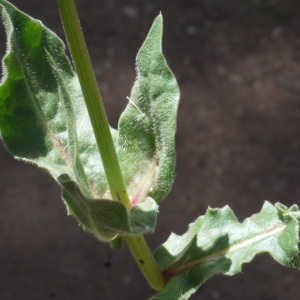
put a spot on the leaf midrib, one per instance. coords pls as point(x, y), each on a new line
point(237, 246)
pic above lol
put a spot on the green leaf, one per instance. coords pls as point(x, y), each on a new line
point(108, 218)
point(218, 243)
point(76, 203)
point(142, 217)
point(147, 126)
point(43, 118)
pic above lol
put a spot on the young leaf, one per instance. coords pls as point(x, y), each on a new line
point(148, 124)
point(219, 243)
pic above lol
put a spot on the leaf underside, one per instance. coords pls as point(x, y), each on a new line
point(43, 118)
point(217, 243)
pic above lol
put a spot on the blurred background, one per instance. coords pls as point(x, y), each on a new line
point(238, 68)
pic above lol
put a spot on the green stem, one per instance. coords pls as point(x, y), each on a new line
point(146, 261)
point(93, 100)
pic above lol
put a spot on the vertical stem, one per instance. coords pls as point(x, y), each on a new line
point(93, 100)
point(146, 261)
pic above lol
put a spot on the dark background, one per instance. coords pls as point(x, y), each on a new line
point(238, 67)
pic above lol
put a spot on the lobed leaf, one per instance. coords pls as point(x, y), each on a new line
point(218, 243)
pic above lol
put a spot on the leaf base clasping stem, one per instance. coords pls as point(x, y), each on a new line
point(93, 100)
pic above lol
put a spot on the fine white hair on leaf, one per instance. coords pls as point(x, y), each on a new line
point(134, 104)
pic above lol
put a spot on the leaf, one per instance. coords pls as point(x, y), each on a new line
point(108, 218)
point(75, 201)
point(148, 124)
point(218, 243)
point(43, 118)
point(142, 217)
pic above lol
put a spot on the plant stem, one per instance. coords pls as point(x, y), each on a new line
point(93, 100)
point(146, 261)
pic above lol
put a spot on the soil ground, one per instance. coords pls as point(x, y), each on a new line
point(238, 67)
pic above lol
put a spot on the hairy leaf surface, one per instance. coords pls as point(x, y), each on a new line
point(218, 243)
point(148, 124)
point(43, 118)
point(108, 218)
